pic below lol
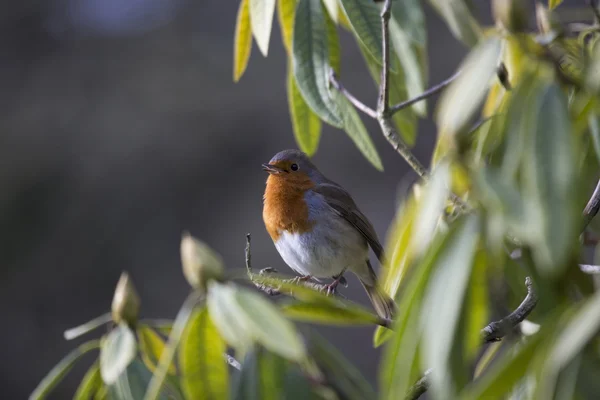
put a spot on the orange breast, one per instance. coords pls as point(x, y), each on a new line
point(284, 206)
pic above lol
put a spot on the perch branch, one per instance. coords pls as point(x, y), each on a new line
point(383, 103)
point(355, 102)
point(494, 332)
point(426, 94)
point(592, 207)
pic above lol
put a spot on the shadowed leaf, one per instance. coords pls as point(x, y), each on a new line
point(305, 123)
point(90, 384)
point(365, 20)
point(457, 15)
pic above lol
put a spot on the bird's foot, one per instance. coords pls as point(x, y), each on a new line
point(299, 279)
point(331, 288)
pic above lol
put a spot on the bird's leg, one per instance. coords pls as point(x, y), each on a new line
point(336, 281)
point(302, 278)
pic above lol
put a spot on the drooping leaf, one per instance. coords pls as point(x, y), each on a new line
point(476, 306)
point(118, 350)
point(462, 98)
point(442, 307)
point(550, 181)
point(87, 327)
point(333, 45)
point(286, 11)
point(305, 123)
point(151, 348)
point(203, 375)
point(90, 384)
point(355, 128)
point(405, 120)
point(131, 384)
point(243, 41)
point(459, 19)
point(409, 15)
point(60, 370)
point(594, 124)
point(364, 17)
point(261, 18)
point(339, 372)
point(333, 313)
point(311, 60)
point(554, 3)
point(261, 377)
point(333, 9)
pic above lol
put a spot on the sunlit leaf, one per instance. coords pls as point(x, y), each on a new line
point(334, 313)
point(311, 60)
point(58, 372)
point(203, 375)
point(90, 384)
point(332, 8)
point(405, 119)
point(338, 371)
point(442, 307)
point(286, 10)
point(118, 350)
point(554, 3)
point(355, 128)
point(151, 347)
point(364, 17)
point(461, 22)
point(461, 100)
point(305, 123)
point(243, 41)
point(261, 17)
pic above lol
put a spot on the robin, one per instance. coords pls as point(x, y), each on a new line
point(317, 228)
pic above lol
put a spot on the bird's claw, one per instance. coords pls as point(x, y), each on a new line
point(267, 270)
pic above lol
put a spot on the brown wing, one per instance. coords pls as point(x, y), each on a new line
point(342, 203)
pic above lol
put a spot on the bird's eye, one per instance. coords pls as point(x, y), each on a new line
point(294, 167)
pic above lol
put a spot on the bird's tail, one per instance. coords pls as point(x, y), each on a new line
point(383, 304)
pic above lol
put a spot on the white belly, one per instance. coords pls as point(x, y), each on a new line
point(332, 246)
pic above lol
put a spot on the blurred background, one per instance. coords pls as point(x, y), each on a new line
point(120, 127)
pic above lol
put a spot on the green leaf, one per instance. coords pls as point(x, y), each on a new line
point(477, 306)
point(550, 181)
point(305, 123)
point(242, 42)
point(118, 350)
point(60, 370)
point(595, 134)
point(311, 60)
point(286, 11)
point(364, 17)
point(405, 120)
point(151, 348)
point(333, 45)
point(400, 354)
point(87, 327)
point(262, 376)
point(355, 128)
point(409, 15)
point(90, 384)
point(131, 384)
point(334, 313)
point(554, 3)
point(243, 317)
point(461, 100)
point(203, 375)
point(442, 308)
point(261, 16)
point(332, 9)
point(411, 69)
point(461, 22)
point(338, 371)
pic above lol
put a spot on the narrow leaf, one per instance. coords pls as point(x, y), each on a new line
point(117, 352)
point(554, 3)
point(355, 128)
point(286, 10)
point(243, 41)
point(87, 327)
point(132, 384)
point(461, 100)
point(333, 45)
point(329, 313)
point(203, 376)
point(305, 123)
point(261, 16)
point(332, 9)
point(461, 22)
point(311, 60)
point(151, 348)
point(364, 17)
point(60, 370)
point(90, 384)
point(410, 16)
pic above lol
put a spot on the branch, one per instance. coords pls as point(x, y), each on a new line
point(498, 329)
point(494, 332)
point(592, 207)
point(384, 86)
point(357, 103)
point(426, 94)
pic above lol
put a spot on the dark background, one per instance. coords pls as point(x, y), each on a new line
point(120, 127)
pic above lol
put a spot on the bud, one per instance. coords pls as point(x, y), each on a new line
point(511, 14)
point(547, 22)
point(200, 263)
point(126, 302)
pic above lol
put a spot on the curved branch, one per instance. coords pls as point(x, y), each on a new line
point(592, 207)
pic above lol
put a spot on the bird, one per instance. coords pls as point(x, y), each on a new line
point(318, 229)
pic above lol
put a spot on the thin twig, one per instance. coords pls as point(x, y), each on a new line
point(384, 86)
point(592, 207)
point(357, 103)
point(498, 329)
point(426, 94)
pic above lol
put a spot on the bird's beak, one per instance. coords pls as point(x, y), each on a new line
point(272, 169)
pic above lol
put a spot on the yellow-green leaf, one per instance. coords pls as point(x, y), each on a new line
point(151, 347)
point(334, 313)
point(90, 384)
point(60, 370)
point(333, 9)
point(261, 17)
point(286, 10)
point(203, 375)
point(554, 3)
point(333, 43)
point(243, 41)
point(305, 123)
point(355, 128)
